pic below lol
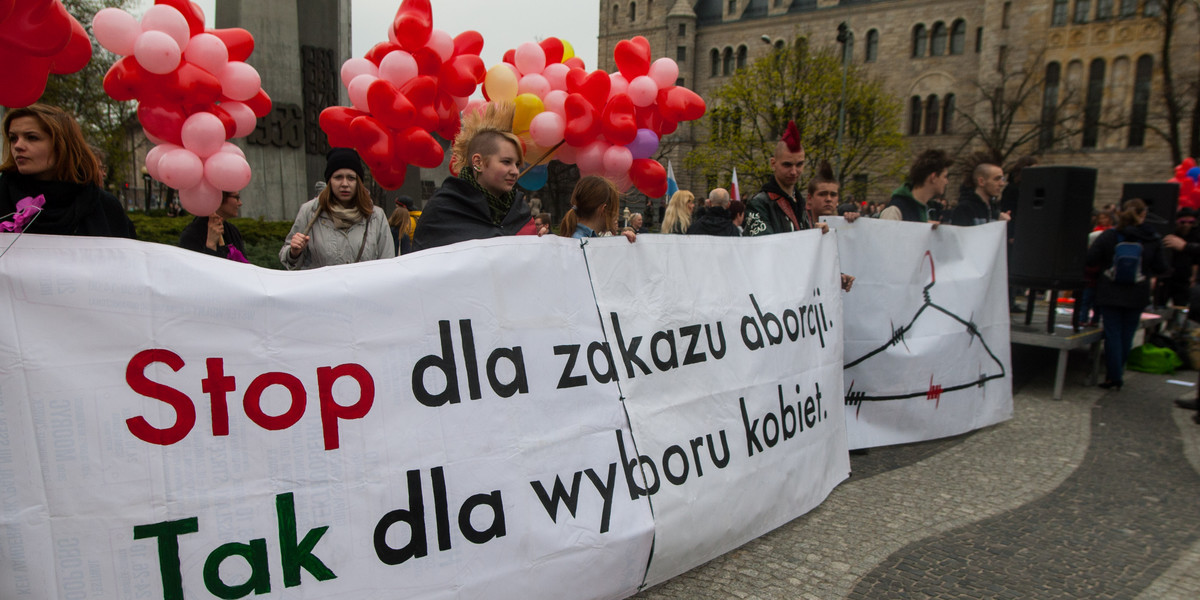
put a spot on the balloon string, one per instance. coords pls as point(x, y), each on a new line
point(540, 159)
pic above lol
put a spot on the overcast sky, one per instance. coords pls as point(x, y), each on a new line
point(503, 23)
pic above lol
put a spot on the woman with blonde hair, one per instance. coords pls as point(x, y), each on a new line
point(48, 162)
point(482, 200)
point(679, 212)
point(594, 209)
point(341, 225)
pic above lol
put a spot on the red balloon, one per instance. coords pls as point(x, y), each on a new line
point(575, 63)
point(413, 24)
point(619, 122)
point(417, 147)
point(389, 106)
point(593, 86)
point(6, 7)
point(187, 84)
point(468, 42)
point(428, 62)
point(40, 29)
point(680, 104)
point(239, 42)
point(461, 75)
point(75, 56)
point(335, 122)
point(23, 78)
point(124, 80)
point(633, 59)
point(422, 92)
point(380, 50)
point(191, 12)
point(260, 104)
point(161, 120)
point(554, 49)
point(582, 124)
point(510, 57)
point(450, 126)
point(1188, 163)
point(390, 178)
point(372, 141)
point(649, 176)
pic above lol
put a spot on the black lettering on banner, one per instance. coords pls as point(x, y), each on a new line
point(628, 353)
point(601, 348)
point(519, 383)
point(692, 332)
point(672, 359)
point(559, 494)
point(567, 380)
point(414, 517)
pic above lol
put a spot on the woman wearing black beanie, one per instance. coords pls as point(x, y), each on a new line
point(341, 225)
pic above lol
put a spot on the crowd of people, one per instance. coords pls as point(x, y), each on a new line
point(51, 182)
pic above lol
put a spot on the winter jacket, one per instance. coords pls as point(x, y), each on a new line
point(332, 246)
point(972, 210)
point(70, 208)
point(458, 212)
point(714, 221)
point(195, 237)
point(765, 212)
point(1100, 255)
point(908, 207)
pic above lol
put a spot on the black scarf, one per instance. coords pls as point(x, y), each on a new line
point(70, 209)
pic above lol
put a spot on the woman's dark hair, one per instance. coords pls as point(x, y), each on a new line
point(74, 160)
point(589, 195)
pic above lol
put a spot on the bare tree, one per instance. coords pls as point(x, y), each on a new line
point(1177, 94)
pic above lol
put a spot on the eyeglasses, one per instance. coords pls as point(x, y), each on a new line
point(1186, 221)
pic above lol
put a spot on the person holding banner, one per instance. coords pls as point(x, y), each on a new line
point(1128, 256)
point(927, 179)
point(341, 225)
point(51, 182)
point(482, 201)
point(778, 207)
point(594, 203)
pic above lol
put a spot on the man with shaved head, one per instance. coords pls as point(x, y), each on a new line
point(978, 206)
point(779, 208)
point(715, 219)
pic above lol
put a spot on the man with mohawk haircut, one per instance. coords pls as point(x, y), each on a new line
point(479, 200)
point(779, 208)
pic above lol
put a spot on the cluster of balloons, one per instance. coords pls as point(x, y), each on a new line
point(1187, 175)
point(194, 92)
point(37, 37)
point(607, 124)
point(404, 90)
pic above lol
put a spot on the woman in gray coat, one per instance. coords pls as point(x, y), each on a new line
point(341, 225)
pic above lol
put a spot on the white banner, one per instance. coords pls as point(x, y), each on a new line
point(442, 425)
point(927, 330)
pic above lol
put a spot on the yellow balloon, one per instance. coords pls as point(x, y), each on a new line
point(500, 83)
point(568, 50)
point(528, 106)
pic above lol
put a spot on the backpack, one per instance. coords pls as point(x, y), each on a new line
point(1126, 267)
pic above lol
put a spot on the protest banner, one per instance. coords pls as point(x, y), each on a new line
point(927, 350)
point(448, 423)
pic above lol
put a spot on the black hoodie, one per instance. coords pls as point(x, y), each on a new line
point(458, 212)
point(1154, 263)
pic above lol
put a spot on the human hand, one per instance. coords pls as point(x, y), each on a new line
point(824, 227)
point(297, 244)
point(216, 229)
point(851, 216)
point(1006, 216)
point(1174, 242)
point(847, 282)
point(629, 235)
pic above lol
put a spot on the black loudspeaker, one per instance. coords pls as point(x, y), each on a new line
point(1161, 201)
point(1054, 217)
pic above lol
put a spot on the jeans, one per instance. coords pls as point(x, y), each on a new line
point(1119, 326)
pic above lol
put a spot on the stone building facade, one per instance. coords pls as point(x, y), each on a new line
point(1101, 55)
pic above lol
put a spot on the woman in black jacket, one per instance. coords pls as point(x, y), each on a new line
point(1123, 287)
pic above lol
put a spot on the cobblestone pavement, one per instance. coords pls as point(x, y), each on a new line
point(1094, 496)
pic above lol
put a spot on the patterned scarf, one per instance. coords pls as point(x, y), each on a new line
point(498, 205)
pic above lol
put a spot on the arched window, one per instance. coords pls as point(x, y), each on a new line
point(937, 46)
point(779, 44)
point(1049, 105)
point(727, 67)
point(919, 41)
point(1141, 100)
point(872, 45)
point(958, 37)
point(931, 114)
point(616, 12)
point(1092, 107)
point(948, 114)
point(915, 108)
point(632, 12)
point(714, 56)
point(741, 57)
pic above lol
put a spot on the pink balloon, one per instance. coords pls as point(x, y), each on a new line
point(116, 30)
point(643, 91)
point(590, 158)
point(442, 44)
point(546, 129)
point(167, 19)
point(566, 154)
point(475, 105)
point(555, 102)
point(530, 58)
point(358, 91)
point(240, 81)
point(533, 84)
point(231, 148)
point(664, 72)
point(398, 67)
point(201, 199)
point(617, 85)
point(203, 134)
point(180, 169)
point(556, 74)
point(227, 171)
point(461, 102)
point(208, 52)
point(154, 155)
point(157, 52)
point(617, 160)
point(154, 139)
point(357, 66)
point(242, 115)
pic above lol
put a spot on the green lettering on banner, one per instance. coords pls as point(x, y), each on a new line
point(168, 533)
point(255, 554)
point(298, 556)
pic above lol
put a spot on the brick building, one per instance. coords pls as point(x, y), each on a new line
point(1103, 54)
